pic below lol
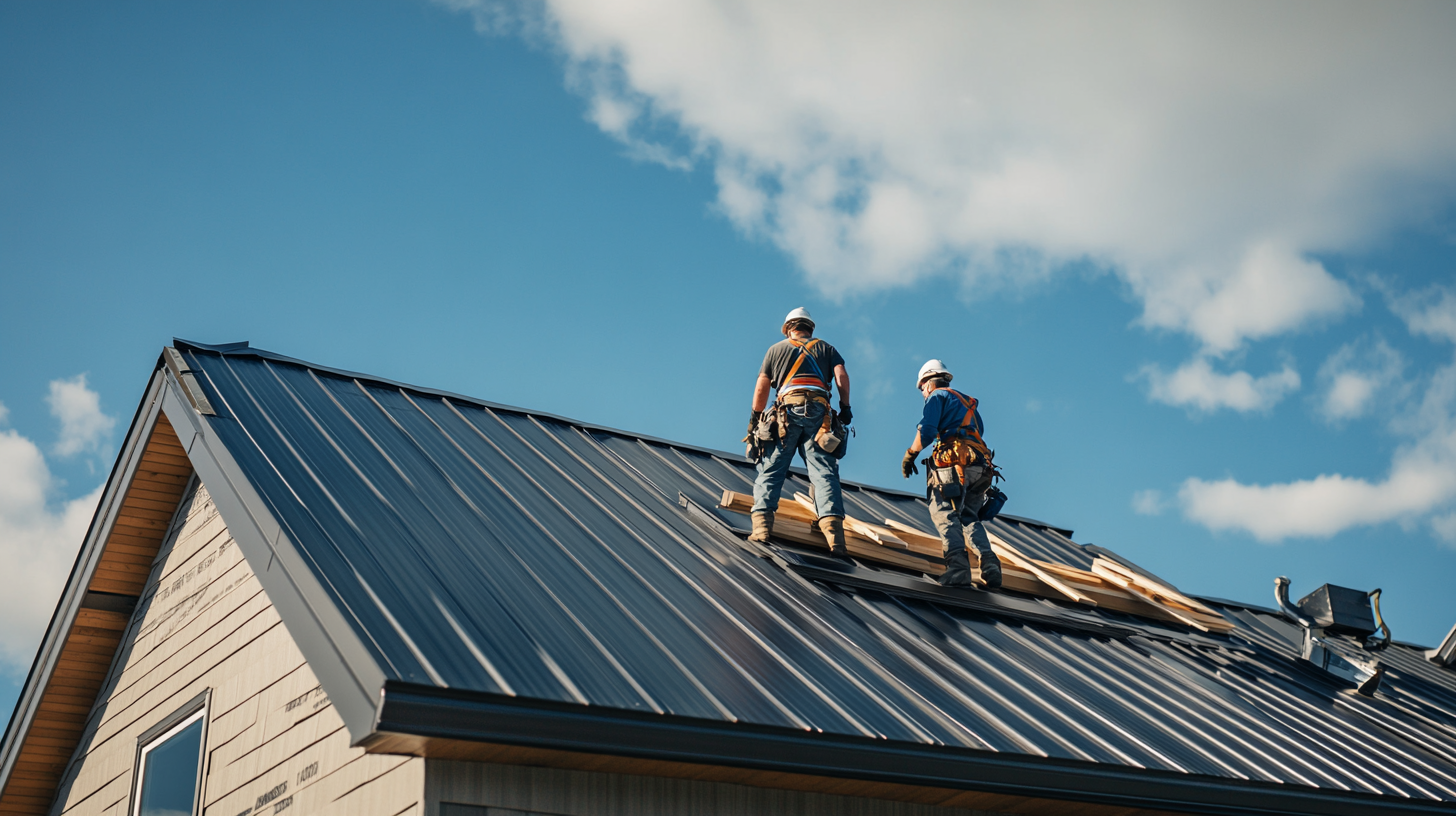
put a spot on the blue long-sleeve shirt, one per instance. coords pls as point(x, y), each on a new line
point(944, 412)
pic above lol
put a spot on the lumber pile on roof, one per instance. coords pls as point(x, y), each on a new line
point(1109, 584)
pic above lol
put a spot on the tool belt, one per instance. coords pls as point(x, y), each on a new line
point(831, 437)
point(802, 396)
point(959, 461)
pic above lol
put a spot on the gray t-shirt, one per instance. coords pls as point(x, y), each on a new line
point(817, 370)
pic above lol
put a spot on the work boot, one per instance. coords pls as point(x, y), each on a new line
point(957, 570)
point(991, 570)
point(833, 529)
point(762, 526)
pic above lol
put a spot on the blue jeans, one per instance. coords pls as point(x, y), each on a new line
point(803, 422)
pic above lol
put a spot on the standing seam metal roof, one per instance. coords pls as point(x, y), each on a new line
point(479, 548)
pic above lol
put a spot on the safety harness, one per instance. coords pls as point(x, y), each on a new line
point(816, 380)
point(963, 447)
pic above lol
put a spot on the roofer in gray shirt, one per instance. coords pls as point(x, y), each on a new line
point(804, 370)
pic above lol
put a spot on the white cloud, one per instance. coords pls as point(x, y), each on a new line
point(1421, 481)
point(1445, 528)
point(1430, 312)
point(1197, 386)
point(1355, 375)
point(1202, 152)
point(84, 428)
point(1147, 502)
point(38, 544)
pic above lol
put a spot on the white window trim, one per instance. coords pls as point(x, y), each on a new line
point(150, 741)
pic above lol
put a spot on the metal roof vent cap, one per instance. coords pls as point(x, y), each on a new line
point(1334, 610)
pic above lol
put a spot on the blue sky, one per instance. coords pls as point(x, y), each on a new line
point(1208, 313)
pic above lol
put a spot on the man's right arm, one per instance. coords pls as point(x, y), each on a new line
point(760, 392)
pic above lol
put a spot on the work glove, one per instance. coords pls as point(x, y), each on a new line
point(753, 419)
point(907, 465)
point(845, 415)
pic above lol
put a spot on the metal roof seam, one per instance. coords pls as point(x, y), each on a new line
point(380, 653)
point(1026, 676)
point(758, 637)
point(863, 659)
point(602, 648)
point(443, 474)
point(1297, 749)
point(971, 702)
point(1173, 709)
point(312, 471)
point(648, 585)
point(859, 652)
point(985, 667)
point(1144, 742)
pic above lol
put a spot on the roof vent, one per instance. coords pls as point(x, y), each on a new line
point(1445, 654)
point(1337, 610)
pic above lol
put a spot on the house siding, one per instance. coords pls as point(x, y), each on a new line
point(274, 743)
point(459, 788)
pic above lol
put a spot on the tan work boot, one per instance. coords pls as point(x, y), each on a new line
point(762, 526)
point(833, 529)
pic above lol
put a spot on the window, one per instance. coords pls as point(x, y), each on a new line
point(169, 763)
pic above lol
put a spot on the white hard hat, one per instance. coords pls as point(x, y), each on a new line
point(798, 314)
point(932, 368)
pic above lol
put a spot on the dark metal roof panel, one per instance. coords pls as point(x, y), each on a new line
point(486, 549)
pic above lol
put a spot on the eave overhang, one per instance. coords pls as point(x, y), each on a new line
point(412, 716)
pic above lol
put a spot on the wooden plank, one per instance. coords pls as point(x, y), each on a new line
point(1138, 592)
point(853, 526)
point(1007, 552)
point(119, 586)
point(1168, 591)
point(916, 539)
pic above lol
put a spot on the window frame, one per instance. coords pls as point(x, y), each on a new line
point(190, 712)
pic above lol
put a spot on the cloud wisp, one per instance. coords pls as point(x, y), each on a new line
point(1354, 376)
point(1196, 386)
point(996, 142)
point(39, 537)
point(84, 427)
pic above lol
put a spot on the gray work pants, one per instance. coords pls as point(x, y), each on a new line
point(953, 517)
point(803, 422)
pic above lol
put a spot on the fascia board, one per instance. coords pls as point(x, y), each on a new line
point(89, 555)
point(430, 712)
point(335, 653)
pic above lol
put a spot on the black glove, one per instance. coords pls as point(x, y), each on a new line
point(753, 419)
point(845, 415)
point(907, 465)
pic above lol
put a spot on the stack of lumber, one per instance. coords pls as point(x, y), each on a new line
point(1109, 584)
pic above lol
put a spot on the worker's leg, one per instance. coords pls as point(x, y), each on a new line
point(773, 468)
point(945, 514)
point(824, 476)
point(971, 522)
point(823, 469)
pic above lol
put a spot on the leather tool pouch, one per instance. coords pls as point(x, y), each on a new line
point(768, 427)
point(833, 437)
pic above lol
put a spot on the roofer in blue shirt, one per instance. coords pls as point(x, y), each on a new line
point(804, 370)
point(959, 473)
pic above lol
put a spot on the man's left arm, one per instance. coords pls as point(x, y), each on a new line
point(841, 381)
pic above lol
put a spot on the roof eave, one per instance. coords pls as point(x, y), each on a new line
point(87, 557)
point(450, 715)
